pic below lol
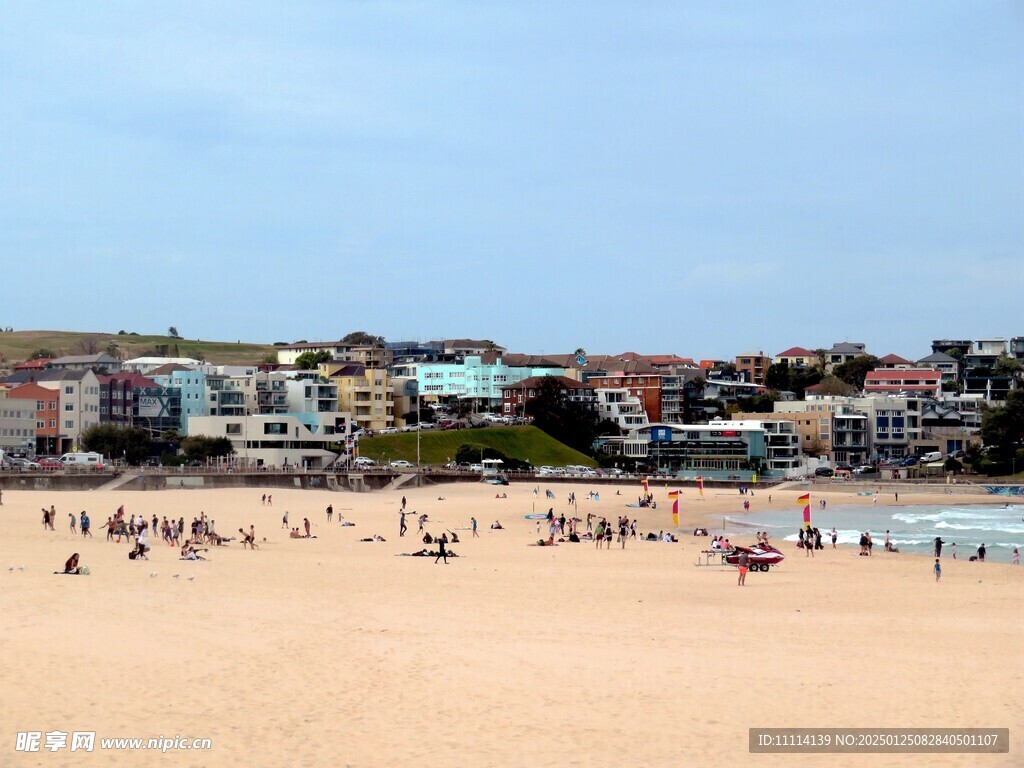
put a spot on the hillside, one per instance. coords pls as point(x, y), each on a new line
point(439, 447)
point(19, 345)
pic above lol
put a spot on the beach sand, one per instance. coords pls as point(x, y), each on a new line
point(334, 652)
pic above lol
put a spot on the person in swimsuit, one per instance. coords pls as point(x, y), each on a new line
point(441, 551)
point(741, 565)
point(284, 520)
point(71, 566)
point(86, 524)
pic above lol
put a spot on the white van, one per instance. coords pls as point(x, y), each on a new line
point(933, 456)
point(82, 460)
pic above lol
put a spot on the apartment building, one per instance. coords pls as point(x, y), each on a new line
point(916, 381)
point(645, 387)
point(312, 441)
point(18, 424)
point(753, 366)
point(475, 380)
point(191, 383)
point(47, 413)
point(366, 393)
point(622, 407)
point(515, 398)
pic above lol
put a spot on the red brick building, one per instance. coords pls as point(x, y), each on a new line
point(514, 397)
point(645, 386)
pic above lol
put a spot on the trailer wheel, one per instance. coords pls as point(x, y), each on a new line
point(764, 567)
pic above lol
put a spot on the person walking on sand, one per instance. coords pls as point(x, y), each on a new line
point(72, 516)
point(402, 527)
point(270, 500)
point(1016, 556)
point(284, 520)
point(938, 546)
point(741, 565)
point(590, 521)
point(952, 549)
point(441, 551)
point(937, 568)
point(599, 534)
point(330, 512)
point(86, 524)
point(981, 554)
point(422, 520)
point(263, 500)
point(472, 521)
point(403, 503)
point(305, 524)
point(834, 537)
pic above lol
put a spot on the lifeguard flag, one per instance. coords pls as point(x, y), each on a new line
point(646, 489)
point(700, 486)
point(673, 494)
point(805, 500)
point(675, 513)
point(753, 480)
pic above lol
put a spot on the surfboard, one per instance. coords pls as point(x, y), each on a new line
point(537, 516)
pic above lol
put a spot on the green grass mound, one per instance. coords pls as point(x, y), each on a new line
point(439, 447)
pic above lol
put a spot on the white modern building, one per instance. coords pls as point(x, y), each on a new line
point(279, 440)
point(621, 407)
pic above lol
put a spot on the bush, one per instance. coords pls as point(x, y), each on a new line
point(171, 460)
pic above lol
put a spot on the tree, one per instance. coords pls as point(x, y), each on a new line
point(112, 349)
point(855, 371)
point(1008, 366)
point(41, 354)
point(87, 345)
point(362, 338)
point(1002, 428)
point(567, 421)
point(821, 364)
point(580, 352)
point(173, 332)
point(115, 442)
point(201, 447)
point(311, 360)
point(778, 377)
point(831, 385)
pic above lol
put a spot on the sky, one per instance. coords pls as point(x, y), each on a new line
point(702, 179)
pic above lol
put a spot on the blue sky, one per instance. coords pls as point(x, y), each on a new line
point(703, 179)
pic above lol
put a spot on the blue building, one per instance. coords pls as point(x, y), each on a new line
point(191, 383)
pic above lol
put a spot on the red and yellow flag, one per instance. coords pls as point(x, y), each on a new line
point(675, 512)
point(644, 482)
point(805, 500)
point(673, 494)
point(700, 486)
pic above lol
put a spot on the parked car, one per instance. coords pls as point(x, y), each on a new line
point(476, 467)
point(24, 463)
point(410, 427)
point(427, 425)
point(388, 431)
point(823, 472)
point(363, 461)
point(864, 469)
point(909, 461)
point(958, 454)
point(49, 462)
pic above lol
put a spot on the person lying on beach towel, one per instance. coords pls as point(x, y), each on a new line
point(375, 537)
point(497, 526)
point(549, 542)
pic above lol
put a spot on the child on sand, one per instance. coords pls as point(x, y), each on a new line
point(938, 569)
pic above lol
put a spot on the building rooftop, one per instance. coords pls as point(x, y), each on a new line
point(796, 352)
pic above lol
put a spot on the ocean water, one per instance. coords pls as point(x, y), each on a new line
point(911, 528)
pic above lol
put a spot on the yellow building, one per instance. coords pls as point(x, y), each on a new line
point(366, 393)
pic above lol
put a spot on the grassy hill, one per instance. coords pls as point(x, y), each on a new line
point(439, 447)
point(19, 345)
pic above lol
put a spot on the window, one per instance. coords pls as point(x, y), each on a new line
point(53, 423)
point(69, 407)
point(69, 425)
point(69, 390)
point(234, 429)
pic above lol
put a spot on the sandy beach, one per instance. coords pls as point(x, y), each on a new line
point(330, 651)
